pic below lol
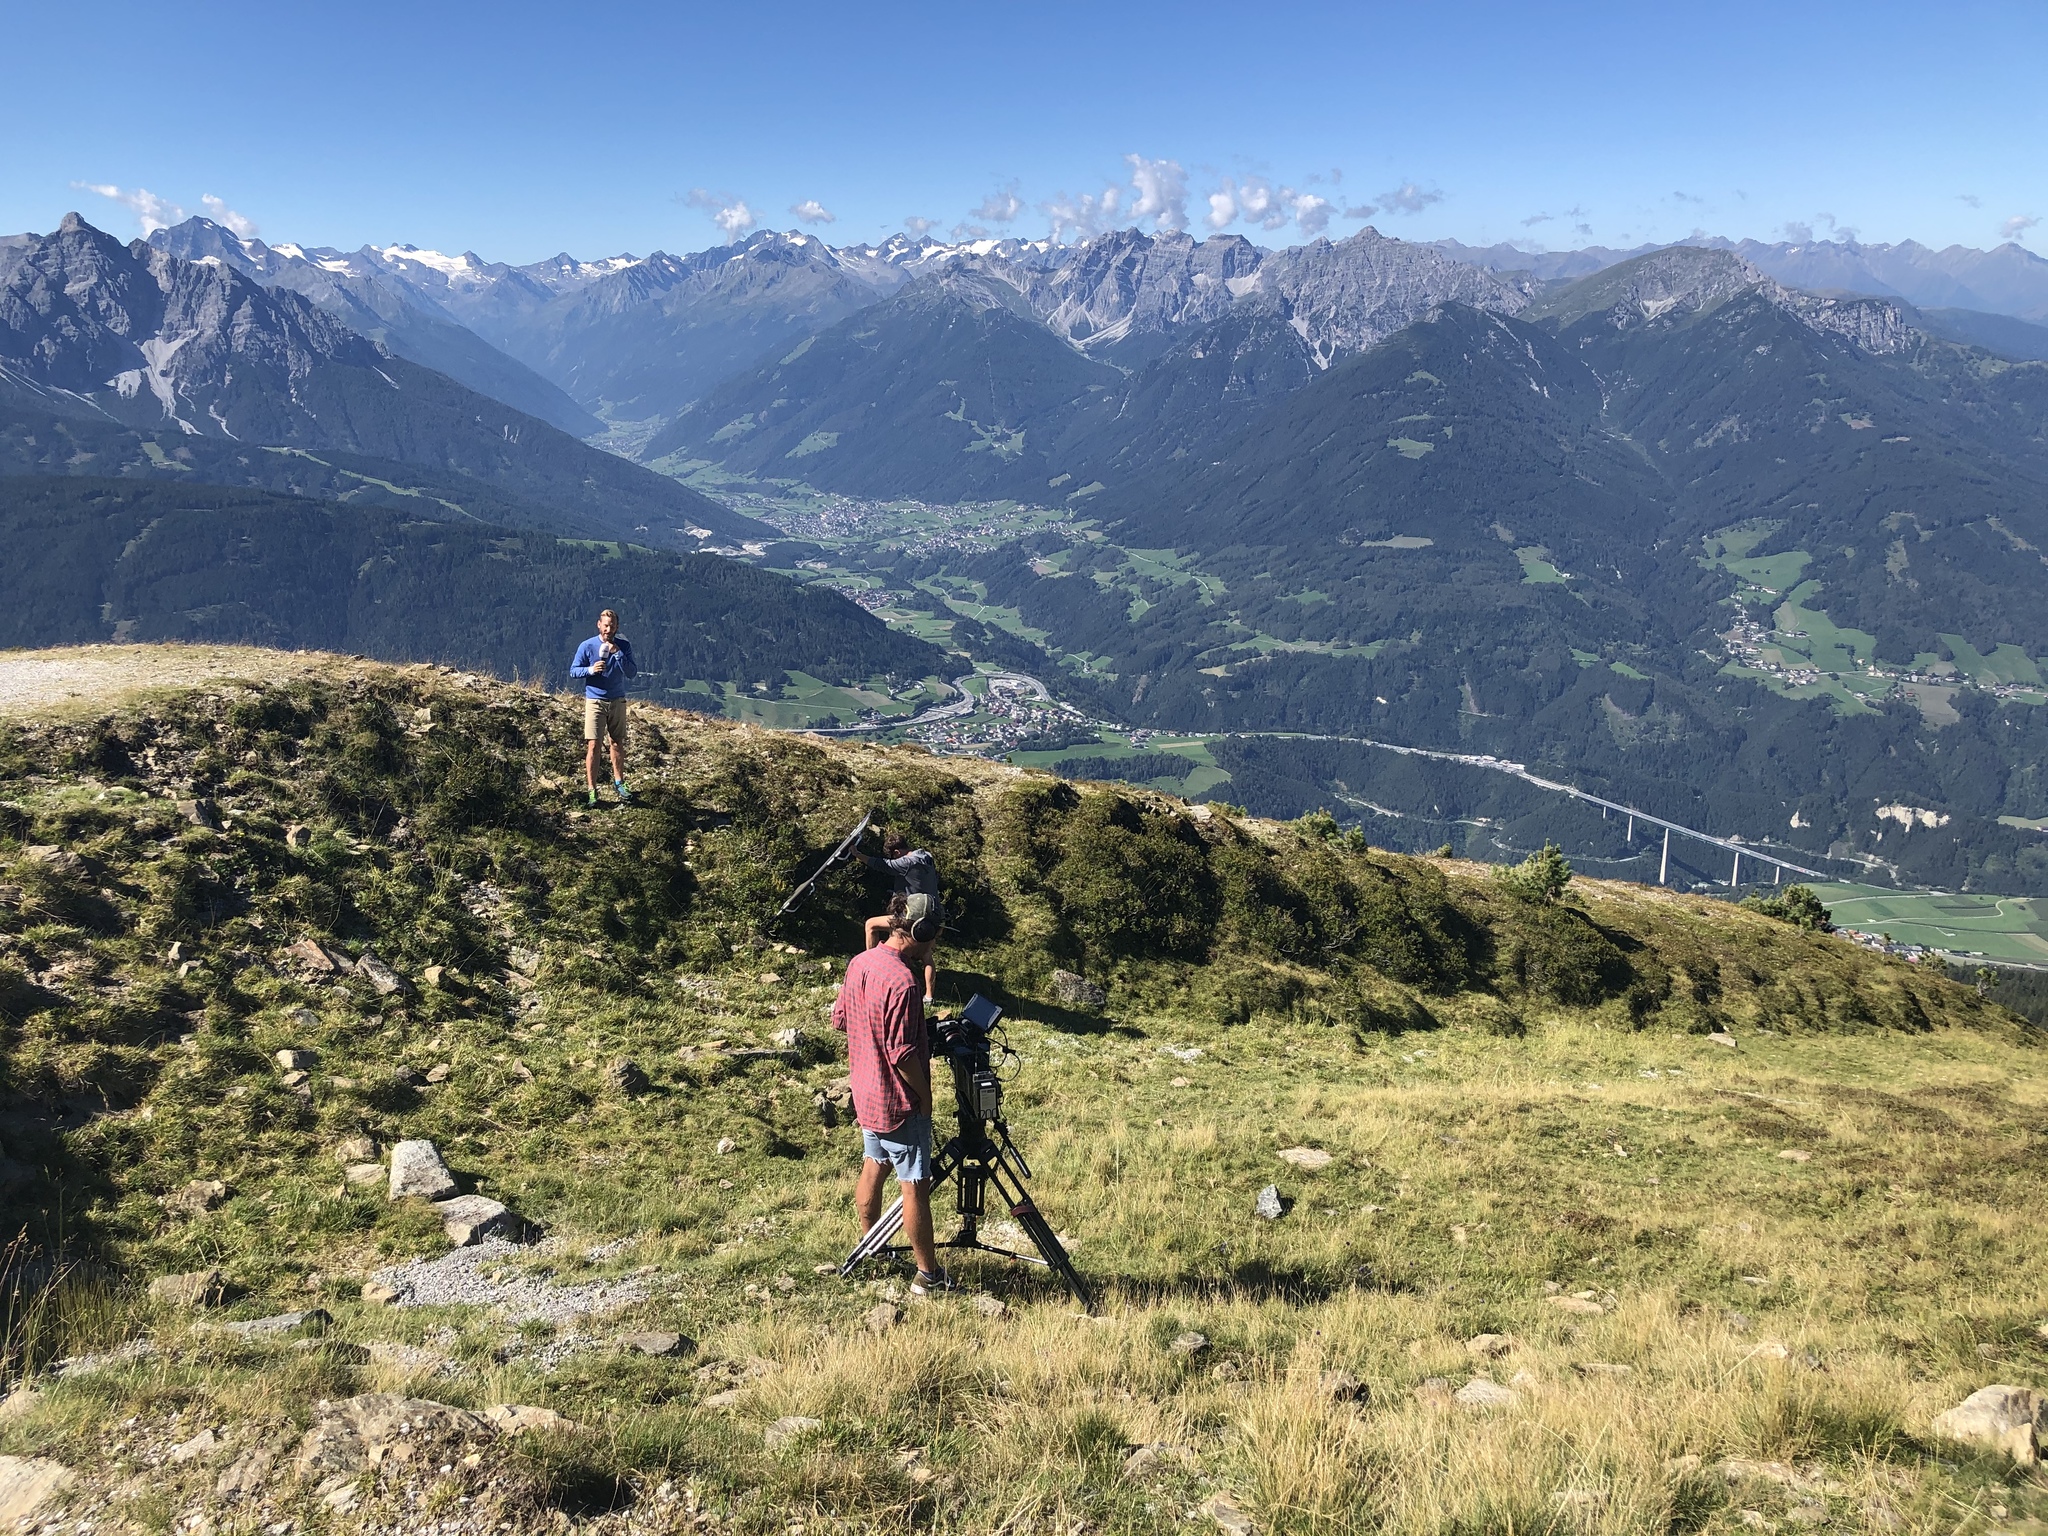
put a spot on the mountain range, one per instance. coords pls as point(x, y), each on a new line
point(118, 359)
point(1752, 535)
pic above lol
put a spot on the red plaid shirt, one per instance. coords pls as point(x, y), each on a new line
point(881, 1011)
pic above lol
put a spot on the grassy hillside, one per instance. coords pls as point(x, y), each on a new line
point(1784, 1188)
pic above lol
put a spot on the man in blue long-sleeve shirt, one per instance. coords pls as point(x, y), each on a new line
point(603, 663)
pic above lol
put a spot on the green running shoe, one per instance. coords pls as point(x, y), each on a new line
point(619, 788)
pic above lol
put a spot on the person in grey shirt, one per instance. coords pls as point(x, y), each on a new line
point(915, 900)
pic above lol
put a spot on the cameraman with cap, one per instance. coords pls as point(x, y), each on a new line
point(880, 1009)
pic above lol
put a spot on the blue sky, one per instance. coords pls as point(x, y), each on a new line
point(517, 130)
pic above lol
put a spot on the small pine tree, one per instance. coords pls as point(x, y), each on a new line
point(1797, 906)
point(1542, 876)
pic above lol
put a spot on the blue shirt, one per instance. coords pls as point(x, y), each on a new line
point(606, 679)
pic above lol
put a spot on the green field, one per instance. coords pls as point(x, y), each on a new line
point(806, 701)
point(1997, 927)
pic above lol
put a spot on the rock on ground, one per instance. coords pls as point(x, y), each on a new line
point(26, 1484)
point(199, 1288)
point(784, 1430)
point(1078, 993)
point(2008, 1419)
point(417, 1170)
point(1271, 1204)
point(1308, 1159)
point(657, 1344)
point(469, 1219)
point(1479, 1394)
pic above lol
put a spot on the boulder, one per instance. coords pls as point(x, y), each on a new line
point(440, 1072)
point(1480, 1395)
point(1189, 1345)
point(298, 835)
point(60, 861)
point(990, 1306)
point(1578, 1306)
point(1489, 1346)
point(199, 1288)
point(883, 1316)
point(417, 1170)
point(625, 1077)
point(1229, 1518)
point(312, 1321)
point(469, 1219)
point(658, 1344)
point(381, 976)
point(200, 813)
point(1073, 991)
point(312, 957)
point(784, 1430)
point(244, 1477)
point(355, 1149)
point(1271, 1204)
point(1308, 1159)
point(378, 1294)
point(297, 1061)
point(354, 1433)
point(1342, 1387)
point(196, 1196)
point(27, 1483)
point(2001, 1418)
point(362, 1175)
point(519, 1419)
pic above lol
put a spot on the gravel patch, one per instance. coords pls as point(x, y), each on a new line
point(487, 1276)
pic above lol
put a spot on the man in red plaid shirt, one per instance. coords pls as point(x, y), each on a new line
point(881, 1010)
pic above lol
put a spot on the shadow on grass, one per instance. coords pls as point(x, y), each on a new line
point(956, 987)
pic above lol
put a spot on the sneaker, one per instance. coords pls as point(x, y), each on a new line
point(925, 1284)
point(593, 799)
point(619, 788)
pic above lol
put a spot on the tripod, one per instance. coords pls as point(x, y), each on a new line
point(981, 1155)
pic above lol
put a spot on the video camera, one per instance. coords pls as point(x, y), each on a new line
point(969, 1041)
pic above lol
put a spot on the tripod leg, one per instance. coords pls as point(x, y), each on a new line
point(886, 1226)
point(890, 1222)
point(1046, 1240)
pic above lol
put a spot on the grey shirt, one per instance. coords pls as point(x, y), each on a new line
point(915, 873)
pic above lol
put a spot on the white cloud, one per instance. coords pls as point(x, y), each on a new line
point(731, 214)
point(1361, 210)
point(1000, 207)
point(2016, 227)
point(1408, 198)
point(962, 232)
point(226, 217)
point(151, 212)
point(1971, 198)
point(1084, 215)
point(811, 211)
point(1162, 188)
point(1311, 214)
point(1257, 202)
point(918, 227)
point(1798, 233)
point(1537, 218)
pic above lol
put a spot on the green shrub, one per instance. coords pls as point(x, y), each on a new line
point(1797, 905)
point(1542, 876)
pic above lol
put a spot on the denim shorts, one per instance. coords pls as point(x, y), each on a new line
point(907, 1149)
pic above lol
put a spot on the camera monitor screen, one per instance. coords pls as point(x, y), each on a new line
point(980, 1012)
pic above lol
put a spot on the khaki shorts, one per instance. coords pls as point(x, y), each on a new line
point(605, 717)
